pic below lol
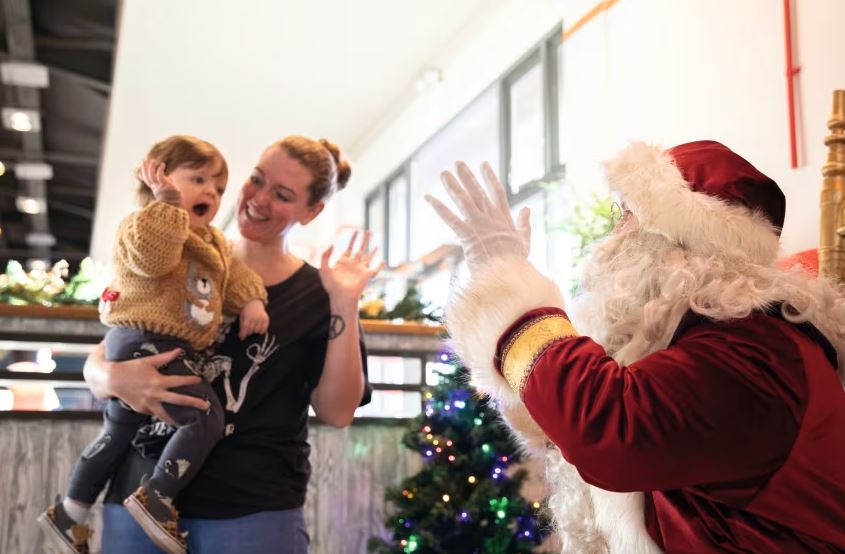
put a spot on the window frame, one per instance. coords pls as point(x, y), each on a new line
point(544, 52)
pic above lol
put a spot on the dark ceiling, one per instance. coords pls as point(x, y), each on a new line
point(75, 40)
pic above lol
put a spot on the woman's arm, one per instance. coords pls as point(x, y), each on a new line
point(341, 385)
point(139, 383)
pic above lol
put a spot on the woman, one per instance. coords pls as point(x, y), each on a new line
point(249, 494)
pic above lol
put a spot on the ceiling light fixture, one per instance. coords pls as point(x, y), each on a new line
point(428, 79)
point(30, 204)
point(40, 239)
point(19, 119)
point(33, 171)
point(24, 74)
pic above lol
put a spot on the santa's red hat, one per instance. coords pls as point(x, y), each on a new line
point(703, 196)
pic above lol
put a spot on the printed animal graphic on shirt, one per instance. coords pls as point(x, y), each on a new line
point(200, 290)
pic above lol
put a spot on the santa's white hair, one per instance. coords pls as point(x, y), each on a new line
point(638, 285)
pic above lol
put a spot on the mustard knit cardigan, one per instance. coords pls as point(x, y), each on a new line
point(175, 281)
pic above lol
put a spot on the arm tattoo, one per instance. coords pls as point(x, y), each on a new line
point(336, 326)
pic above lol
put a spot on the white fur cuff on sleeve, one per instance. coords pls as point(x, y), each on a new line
point(479, 312)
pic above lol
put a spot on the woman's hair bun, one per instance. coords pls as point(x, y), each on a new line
point(344, 170)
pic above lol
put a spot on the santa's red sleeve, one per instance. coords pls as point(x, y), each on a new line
point(713, 407)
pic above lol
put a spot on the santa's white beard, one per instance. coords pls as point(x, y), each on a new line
point(622, 280)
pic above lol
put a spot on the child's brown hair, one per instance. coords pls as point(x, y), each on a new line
point(180, 150)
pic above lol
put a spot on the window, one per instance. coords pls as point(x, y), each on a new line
point(514, 125)
point(472, 137)
point(561, 145)
point(397, 221)
point(539, 245)
point(397, 385)
point(375, 218)
point(526, 123)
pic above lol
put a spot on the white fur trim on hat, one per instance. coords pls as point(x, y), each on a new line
point(477, 315)
point(663, 202)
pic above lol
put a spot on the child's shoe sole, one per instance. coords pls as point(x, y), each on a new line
point(55, 536)
point(159, 536)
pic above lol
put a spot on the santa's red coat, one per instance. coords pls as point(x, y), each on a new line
point(736, 432)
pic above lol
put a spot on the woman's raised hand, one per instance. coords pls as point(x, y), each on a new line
point(346, 279)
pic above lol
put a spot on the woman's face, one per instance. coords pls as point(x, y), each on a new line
point(275, 197)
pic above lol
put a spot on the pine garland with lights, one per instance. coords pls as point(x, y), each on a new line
point(51, 288)
point(465, 499)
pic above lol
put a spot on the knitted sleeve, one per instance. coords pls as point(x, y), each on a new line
point(242, 286)
point(150, 241)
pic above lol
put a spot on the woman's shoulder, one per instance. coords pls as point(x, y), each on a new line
point(304, 283)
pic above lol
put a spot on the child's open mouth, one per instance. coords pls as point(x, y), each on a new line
point(200, 209)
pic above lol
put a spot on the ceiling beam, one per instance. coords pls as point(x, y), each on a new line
point(21, 254)
point(54, 157)
point(90, 82)
point(71, 209)
point(66, 190)
point(20, 45)
point(64, 43)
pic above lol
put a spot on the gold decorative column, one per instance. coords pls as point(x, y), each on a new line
point(832, 240)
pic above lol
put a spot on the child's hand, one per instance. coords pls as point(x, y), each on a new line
point(152, 174)
point(254, 319)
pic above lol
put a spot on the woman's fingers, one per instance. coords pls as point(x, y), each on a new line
point(169, 382)
point(369, 257)
point(377, 270)
point(348, 251)
point(365, 244)
point(327, 254)
point(161, 360)
point(184, 400)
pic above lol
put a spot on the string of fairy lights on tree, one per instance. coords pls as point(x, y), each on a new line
point(467, 496)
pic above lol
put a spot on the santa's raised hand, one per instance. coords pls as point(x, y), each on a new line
point(484, 227)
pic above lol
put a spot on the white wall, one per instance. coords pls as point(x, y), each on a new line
point(659, 70)
point(672, 72)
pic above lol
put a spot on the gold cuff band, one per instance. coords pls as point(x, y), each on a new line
point(523, 348)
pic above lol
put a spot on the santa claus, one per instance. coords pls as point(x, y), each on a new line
point(691, 398)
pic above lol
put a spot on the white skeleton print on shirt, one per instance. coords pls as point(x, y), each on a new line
point(214, 365)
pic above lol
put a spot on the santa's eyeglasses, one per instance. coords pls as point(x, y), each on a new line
point(618, 211)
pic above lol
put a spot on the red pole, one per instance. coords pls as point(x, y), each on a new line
point(790, 82)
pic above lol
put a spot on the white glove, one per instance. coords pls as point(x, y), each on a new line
point(487, 230)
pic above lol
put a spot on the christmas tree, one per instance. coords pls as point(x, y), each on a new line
point(464, 500)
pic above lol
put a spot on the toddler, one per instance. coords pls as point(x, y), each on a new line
point(174, 276)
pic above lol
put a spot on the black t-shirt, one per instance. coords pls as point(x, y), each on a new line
point(265, 385)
